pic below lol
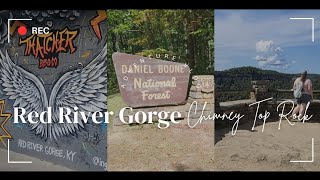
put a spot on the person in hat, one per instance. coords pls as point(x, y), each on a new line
point(305, 97)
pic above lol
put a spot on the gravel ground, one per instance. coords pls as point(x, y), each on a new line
point(271, 150)
point(178, 148)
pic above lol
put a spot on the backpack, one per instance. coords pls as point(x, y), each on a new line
point(298, 88)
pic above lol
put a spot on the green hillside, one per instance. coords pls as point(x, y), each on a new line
point(235, 83)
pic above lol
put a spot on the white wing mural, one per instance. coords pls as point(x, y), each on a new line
point(25, 89)
point(85, 88)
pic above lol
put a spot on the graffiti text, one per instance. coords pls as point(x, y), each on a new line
point(48, 150)
point(46, 47)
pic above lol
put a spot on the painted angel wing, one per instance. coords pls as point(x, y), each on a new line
point(25, 89)
point(84, 88)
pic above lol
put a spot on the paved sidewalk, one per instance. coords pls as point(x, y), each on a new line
point(36, 165)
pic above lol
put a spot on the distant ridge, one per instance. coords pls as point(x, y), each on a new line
point(235, 83)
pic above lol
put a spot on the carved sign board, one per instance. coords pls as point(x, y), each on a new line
point(146, 82)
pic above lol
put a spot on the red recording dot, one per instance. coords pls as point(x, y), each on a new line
point(22, 30)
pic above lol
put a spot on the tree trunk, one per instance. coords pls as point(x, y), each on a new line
point(190, 41)
point(113, 38)
point(117, 43)
point(191, 51)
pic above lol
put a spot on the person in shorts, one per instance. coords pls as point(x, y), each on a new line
point(306, 97)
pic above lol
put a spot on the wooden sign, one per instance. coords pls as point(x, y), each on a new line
point(146, 82)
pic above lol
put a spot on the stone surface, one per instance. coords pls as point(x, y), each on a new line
point(197, 95)
point(201, 101)
point(200, 106)
point(207, 95)
point(195, 89)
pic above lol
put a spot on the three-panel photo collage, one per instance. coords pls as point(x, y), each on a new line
point(159, 90)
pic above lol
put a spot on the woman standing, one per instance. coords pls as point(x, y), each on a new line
point(305, 97)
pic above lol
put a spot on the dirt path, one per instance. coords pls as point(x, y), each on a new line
point(271, 150)
point(181, 148)
point(178, 148)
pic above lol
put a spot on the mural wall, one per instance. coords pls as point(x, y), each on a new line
point(60, 64)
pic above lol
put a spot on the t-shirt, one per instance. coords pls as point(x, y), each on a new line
point(307, 86)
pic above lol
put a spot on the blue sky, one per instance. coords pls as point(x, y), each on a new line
point(267, 39)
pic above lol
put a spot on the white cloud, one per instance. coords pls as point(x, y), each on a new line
point(238, 33)
point(263, 46)
point(270, 55)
